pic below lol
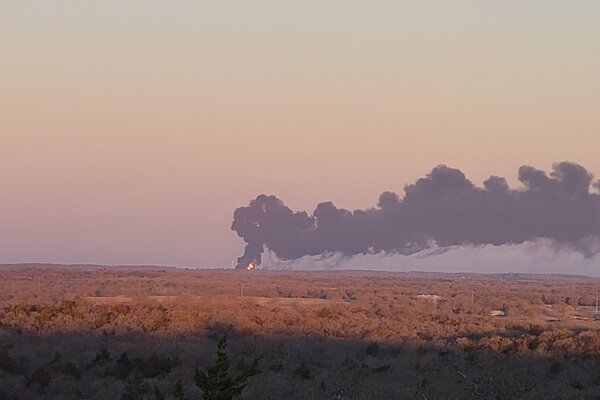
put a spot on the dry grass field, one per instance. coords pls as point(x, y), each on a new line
point(89, 332)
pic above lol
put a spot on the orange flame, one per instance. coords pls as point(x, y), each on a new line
point(251, 266)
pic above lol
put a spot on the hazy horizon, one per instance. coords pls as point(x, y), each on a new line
point(129, 133)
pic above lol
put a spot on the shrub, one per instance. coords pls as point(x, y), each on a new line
point(276, 366)
point(56, 358)
point(303, 372)
point(383, 369)
point(102, 356)
point(373, 349)
point(324, 313)
point(122, 368)
point(556, 368)
point(70, 369)
point(68, 307)
point(536, 330)
point(8, 364)
point(155, 366)
point(179, 393)
point(40, 377)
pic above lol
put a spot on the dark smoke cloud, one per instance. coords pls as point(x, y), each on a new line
point(441, 209)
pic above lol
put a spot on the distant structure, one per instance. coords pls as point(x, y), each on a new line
point(432, 297)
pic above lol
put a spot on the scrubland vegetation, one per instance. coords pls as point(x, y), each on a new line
point(133, 333)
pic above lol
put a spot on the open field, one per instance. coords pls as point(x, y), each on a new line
point(325, 335)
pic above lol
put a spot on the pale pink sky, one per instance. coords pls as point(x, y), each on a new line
point(130, 133)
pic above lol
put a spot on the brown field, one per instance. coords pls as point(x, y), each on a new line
point(323, 335)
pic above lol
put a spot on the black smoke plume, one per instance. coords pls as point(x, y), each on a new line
point(443, 208)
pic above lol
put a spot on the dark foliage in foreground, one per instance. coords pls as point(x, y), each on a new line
point(217, 382)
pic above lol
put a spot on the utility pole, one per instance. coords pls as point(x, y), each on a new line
point(596, 299)
point(140, 286)
point(472, 295)
point(241, 290)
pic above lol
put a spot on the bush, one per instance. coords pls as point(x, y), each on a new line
point(70, 369)
point(556, 368)
point(373, 349)
point(179, 393)
point(536, 330)
point(276, 366)
point(383, 369)
point(155, 366)
point(324, 313)
point(40, 377)
point(8, 364)
point(102, 356)
point(122, 368)
point(303, 372)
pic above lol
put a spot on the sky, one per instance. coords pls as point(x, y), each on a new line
point(131, 131)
